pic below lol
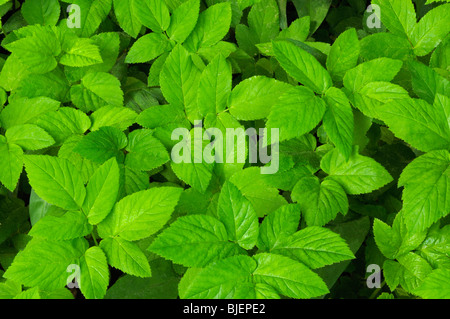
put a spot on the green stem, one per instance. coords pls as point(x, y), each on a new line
point(94, 238)
point(283, 17)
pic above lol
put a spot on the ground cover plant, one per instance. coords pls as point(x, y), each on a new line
point(115, 183)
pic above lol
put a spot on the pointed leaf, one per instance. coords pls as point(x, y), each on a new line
point(302, 66)
point(102, 191)
point(55, 180)
point(11, 157)
point(195, 241)
point(238, 216)
point(94, 273)
point(44, 262)
point(141, 214)
point(359, 175)
point(126, 256)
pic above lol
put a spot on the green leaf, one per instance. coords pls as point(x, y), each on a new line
point(387, 239)
point(96, 90)
point(64, 123)
point(179, 81)
point(141, 214)
point(13, 72)
point(145, 152)
point(426, 185)
point(238, 216)
point(9, 289)
point(359, 175)
point(418, 123)
point(382, 69)
point(102, 191)
point(338, 121)
point(436, 247)
point(82, 53)
point(84, 166)
point(161, 115)
point(301, 154)
point(191, 167)
point(38, 208)
point(212, 26)
point(302, 66)
point(11, 157)
point(278, 225)
point(54, 226)
point(247, 40)
point(370, 98)
point(264, 198)
point(32, 293)
point(164, 119)
point(183, 20)
point(126, 256)
point(26, 111)
point(224, 279)
point(426, 82)
point(29, 137)
point(399, 16)
point(118, 117)
point(44, 263)
point(263, 21)
point(134, 181)
point(298, 30)
point(148, 47)
point(354, 232)
point(343, 55)
point(387, 45)
point(430, 30)
point(410, 240)
point(163, 284)
point(288, 277)
point(396, 240)
point(126, 14)
point(94, 273)
point(315, 247)
point(52, 85)
point(435, 285)
point(155, 70)
point(296, 113)
point(409, 271)
point(231, 161)
point(99, 146)
point(320, 201)
point(214, 86)
point(55, 180)
point(315, 9)
point(440, 56)
point(108, 46)
point(38, 51)
point(92, 14)
point(45, 12)
point(195, 241)
point(61, 293)
point(253, 98)
point(153, 14)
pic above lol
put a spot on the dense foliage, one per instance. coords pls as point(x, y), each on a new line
point(94, 205)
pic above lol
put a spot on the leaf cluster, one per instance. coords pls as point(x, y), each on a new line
point(91, 91)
